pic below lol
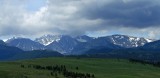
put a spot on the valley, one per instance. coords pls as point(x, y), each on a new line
point(101, 68)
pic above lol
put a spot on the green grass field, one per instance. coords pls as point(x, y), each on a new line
point(101, 68)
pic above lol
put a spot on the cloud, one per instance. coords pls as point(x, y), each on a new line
point(128, 13)
point(76, 17)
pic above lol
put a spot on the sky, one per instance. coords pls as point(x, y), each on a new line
point(34, 18)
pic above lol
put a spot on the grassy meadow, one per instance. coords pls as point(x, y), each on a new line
point(101, 68)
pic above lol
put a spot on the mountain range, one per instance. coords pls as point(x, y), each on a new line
point(66, 44)
point(113, 46)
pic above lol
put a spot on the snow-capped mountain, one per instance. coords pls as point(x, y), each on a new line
point(64, 45)
point(48, 39)
point(95, 43)
point(24, 44)
point(110, 42)
point(128, 41)
point(68, 44)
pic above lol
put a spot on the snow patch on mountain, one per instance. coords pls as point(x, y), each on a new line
point(129, 41)
point(48, 39)
point(149, 40)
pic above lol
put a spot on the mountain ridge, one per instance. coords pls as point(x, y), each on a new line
point(67, 44)
point(25, 44)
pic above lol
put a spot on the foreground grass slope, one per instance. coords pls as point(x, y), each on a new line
point(101, 68)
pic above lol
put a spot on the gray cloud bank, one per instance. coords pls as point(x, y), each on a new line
point(132, 13)
point(77, 17)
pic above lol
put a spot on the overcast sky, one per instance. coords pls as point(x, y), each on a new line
point(34, 18)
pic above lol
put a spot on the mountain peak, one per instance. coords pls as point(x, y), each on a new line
point(25, 44)
point(48, 39)
point(128, 41)
point(16, 38)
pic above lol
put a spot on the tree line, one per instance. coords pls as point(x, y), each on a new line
point(60, 70)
